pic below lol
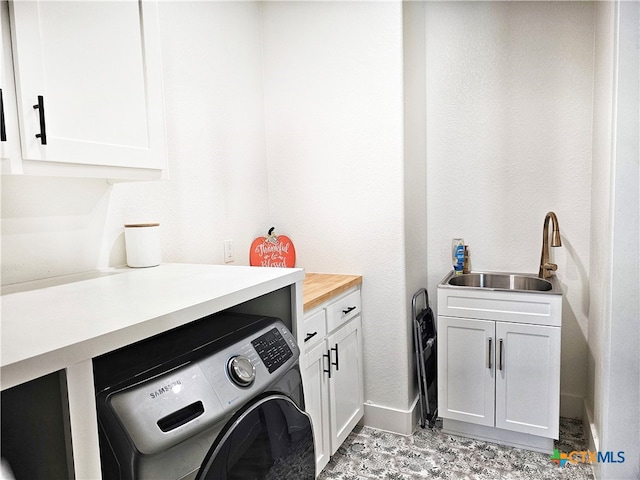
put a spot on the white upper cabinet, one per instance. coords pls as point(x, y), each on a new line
point(9, 139)
point(89, 88)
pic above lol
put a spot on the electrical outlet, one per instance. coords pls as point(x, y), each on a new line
point(228, 251)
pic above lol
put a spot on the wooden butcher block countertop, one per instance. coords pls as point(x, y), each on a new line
point(317, 288)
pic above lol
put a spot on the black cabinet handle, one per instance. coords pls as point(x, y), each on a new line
point(348, 309)
point(43, 128)
point(328, 357)
point(310, 336)
point(335, 349)
point(3, 128)
point(500, 360)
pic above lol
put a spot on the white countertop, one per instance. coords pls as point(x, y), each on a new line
point(52, 326)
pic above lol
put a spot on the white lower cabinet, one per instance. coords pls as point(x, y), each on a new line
point(332, 372)
point(500, 374)
point(500, 380)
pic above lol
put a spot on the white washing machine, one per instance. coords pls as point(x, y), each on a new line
point(220, 398)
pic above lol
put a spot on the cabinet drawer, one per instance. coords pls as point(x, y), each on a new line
point(343, 309)
point(313, 330)
point(532, 308)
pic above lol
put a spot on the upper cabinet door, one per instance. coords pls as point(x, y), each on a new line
point(9, 139)
point(89, 83)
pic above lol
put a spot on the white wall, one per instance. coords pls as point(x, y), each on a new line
point(415, 165)
point(215, 135)
point(613, 400)
point(601, 219)
point(622, 429)
point(509, 91)
point(509, 105)
point(334, 110)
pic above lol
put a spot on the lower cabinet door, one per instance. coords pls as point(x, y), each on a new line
point(316, 393)
point(346, 392)
point(466, 366)
point(528, 378)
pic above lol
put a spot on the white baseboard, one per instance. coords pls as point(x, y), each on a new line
point(571, 406)
point(593, 438)
point(405, 421)
point(393, 420)
point(590, 430)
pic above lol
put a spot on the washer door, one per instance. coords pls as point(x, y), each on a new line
point(270, 438)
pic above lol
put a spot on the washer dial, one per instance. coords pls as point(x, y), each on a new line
point(241, 370)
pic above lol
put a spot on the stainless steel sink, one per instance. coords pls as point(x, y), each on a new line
point(502, 281)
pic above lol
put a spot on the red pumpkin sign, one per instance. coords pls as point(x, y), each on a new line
point(272, 251)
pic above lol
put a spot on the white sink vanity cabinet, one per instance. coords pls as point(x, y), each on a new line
point(330, 340)
point(83, 89)
point(52, 329)
point(499, 365)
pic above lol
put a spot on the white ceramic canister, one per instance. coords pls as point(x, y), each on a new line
point(142, 242)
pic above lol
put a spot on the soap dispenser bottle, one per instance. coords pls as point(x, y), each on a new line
point(457, 253)
point(466, 264)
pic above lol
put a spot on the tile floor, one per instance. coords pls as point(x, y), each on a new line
point(368, 453)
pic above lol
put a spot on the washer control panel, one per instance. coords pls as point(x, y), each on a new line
point(272, 349)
